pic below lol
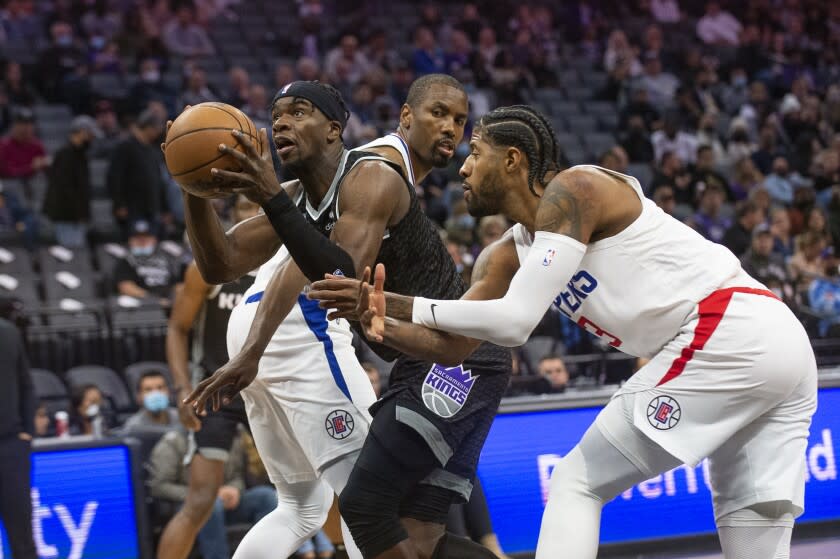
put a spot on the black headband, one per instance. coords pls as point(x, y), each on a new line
point(319, 96)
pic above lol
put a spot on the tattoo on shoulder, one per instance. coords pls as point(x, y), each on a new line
point(482, 262)
point(566, 205)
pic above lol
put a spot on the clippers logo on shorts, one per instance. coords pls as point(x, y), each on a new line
point(339, 424)
point(549, 257)
point(445, 390)
point(663, 413)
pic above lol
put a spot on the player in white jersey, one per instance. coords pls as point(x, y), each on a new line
point(731, 376)
point(308, 406)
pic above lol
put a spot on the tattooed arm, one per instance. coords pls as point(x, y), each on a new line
point(566, 219)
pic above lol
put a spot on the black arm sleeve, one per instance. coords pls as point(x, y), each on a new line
point(314, 253)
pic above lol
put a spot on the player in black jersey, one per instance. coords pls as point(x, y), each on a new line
point(203, 310)
point(429, 427)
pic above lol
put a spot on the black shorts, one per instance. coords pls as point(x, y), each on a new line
point(218, 429)
point(451, 411)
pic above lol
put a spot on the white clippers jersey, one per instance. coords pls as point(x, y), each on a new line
point(635, 289)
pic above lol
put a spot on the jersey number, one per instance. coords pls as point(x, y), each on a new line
point(593, 328)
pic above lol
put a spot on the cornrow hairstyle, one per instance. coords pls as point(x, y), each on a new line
point(525, 128)
point(421, 86)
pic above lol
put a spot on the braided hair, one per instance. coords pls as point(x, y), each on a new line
point(525, 128)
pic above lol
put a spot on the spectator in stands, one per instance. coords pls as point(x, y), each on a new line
point(428, 57)
point(347, 53)
point(745, 178)
point(705, 174)
point(665, 11)
point(101, 20)
point(234, 503)
point(673, 173)
point(780, 227)
point(374, 376)
point(155, 409)
point(106, 59)
point(620, 52)
point(663, 196)
point(735, 92)
point(239, 83)
point(307, 69)
point(197, 90)
point(152, 88)
point(43, 423)
point(17, 417)
point(19, 24)
point(17, 90)
point(67, 202)
point(284, 73)
point(708, 220)
point(87, 416)
point(379, 52)
point(718, 27)
point(635, 139)
point(109, 126)
point(257, 107)
point(767, 151)
point(459, 55)
point(707, 135)
point(782, 183)
point(767, 266)
point(552, 368)
point(58, 61)
point(738, 237)
point(22, 154)
point(808, 261)
point(184, 37)
point(816, 222)
point(491, 228)
point(824, 296)
point(146, 272)
point(16, 219)
point(661, 86)
point(138, 190)
point(672, 139)
point(486, 52)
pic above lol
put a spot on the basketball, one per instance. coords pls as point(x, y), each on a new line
point(192, 147)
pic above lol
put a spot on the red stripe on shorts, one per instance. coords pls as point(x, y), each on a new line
point(711, 311)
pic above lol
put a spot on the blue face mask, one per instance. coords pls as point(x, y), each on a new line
point(145, 250)
point(97, 43)
point(64, 40)
point(156, 401)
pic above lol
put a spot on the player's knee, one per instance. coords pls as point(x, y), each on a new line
point(569, 478)
point(370, 508)
point(199, 504)
point(770, 513)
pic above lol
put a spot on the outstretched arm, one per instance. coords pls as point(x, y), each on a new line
point(566, 218)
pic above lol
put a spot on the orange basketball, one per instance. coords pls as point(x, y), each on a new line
point(192, 147)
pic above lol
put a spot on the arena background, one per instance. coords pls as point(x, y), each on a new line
point(728, 113)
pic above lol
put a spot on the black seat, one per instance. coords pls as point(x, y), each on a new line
point(51, 390)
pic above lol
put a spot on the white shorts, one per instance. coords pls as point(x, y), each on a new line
point(738, 385)
point(309, 404)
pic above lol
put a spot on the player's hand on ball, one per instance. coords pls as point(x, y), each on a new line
point(257, 179)
point(220, 388)
point(373, 301)
point(168, 126)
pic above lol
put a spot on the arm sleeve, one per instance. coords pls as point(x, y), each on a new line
point(509, 321)
point(314, 253)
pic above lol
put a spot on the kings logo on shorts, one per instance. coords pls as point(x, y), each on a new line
point(339, 424)
point(446, 389)
point(663, 413)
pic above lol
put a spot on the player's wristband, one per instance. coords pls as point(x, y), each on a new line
point(315, 254)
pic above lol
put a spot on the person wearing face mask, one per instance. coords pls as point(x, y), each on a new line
point(67, 201)
point(146, 273)
point(155, 409)
point(58, 61)
point(86, 414)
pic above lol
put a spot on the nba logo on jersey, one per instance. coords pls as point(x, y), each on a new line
point(339, 424)
point(445, 390)
point(549, 257)
point(663, 413)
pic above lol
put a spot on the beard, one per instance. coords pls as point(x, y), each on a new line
point(489, 202)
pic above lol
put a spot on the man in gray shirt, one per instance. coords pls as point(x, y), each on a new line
point(153, 398)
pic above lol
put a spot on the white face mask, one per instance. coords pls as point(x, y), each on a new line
point(92, 410)
point(151, 76)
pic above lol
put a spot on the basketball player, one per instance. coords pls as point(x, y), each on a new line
point(309, 375)
point(731, 375)
point(422, 452)
point(205, 310)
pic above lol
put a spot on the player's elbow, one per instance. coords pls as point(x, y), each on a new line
point(215, 273)
point(516, 331)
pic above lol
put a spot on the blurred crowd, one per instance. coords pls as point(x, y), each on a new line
point(727, 112)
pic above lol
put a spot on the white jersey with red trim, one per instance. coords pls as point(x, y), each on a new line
point(636, 289)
